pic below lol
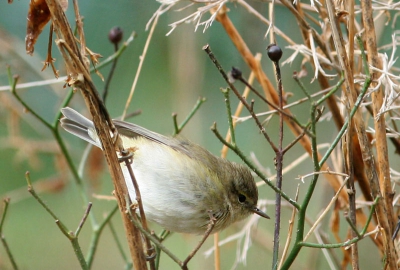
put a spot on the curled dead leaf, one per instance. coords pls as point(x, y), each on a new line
point(38, 17)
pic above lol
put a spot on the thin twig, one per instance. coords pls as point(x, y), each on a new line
point(210, 227)
point(139, 69)
point(98, 229)
point(153, 239)
point(127, 158)
point(207, 49)
point(119, 245)
point(362, 234)
point(327, 208)
point(111, 73)
point(239, 108)
point(290, 231)
point(80, 226)
point(275, 107)
point(178, 128)
point(69, 234)
point(6, 202)
point(278, 156)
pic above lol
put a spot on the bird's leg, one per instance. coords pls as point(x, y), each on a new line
point(210, 227)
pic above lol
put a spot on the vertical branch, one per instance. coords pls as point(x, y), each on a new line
point(347, 150)
point(80, 78)
point(348, 145)
point(383, 188)
point(275, 54)
point(377, 101)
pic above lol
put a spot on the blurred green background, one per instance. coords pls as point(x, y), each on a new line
point(175, 73)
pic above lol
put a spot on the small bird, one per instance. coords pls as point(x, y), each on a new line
point(180, 182)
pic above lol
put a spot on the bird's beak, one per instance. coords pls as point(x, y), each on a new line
point(259, 212)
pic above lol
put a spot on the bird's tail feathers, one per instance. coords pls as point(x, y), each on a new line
point(78, 125)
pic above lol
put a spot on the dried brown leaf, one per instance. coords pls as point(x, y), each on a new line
point(38, 17)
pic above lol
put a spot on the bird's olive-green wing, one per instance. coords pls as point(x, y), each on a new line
point(131, 130)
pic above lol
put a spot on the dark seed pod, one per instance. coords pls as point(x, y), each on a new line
point(274, 52)
point(236, 73)
point(115, 35)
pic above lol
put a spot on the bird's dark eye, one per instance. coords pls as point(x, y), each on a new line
point(242, 198)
